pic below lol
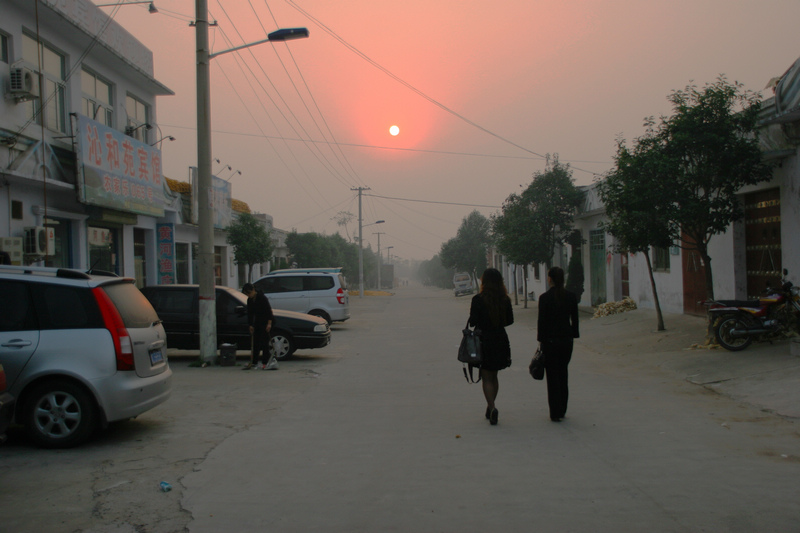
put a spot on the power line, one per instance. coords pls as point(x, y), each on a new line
point(432, 201)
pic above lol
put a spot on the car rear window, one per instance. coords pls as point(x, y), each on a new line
point(319, 283)
point(134, 308)
point(66, 307)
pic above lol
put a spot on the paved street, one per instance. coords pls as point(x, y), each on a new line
point(380, 432)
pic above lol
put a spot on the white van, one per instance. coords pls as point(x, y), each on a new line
point(320, 292)
point(462, 283)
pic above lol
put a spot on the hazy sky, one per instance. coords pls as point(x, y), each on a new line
point(481, 91)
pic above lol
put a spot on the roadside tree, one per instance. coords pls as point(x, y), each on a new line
point(704, 154)
point(466, 252)
point(250, 241)
point(633, 194)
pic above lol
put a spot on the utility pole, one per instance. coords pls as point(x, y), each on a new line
point(380, 259)
point(360, 244)
point(205, 240)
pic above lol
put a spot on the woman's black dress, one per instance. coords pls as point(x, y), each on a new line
point(494, 340)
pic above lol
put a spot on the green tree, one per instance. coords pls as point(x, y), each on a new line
point(633, 194)
point(434, 273)
point(705, 152)
point(250, 241)
point(533, 222)
point(466, 252)
point(313, 250)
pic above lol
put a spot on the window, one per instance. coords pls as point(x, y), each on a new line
point(96, 101)
point(50, 109)
point(182, 262)
point(18, 316)
point(4, 48)
point(138, 118)
point(660, 259)
point(321, 283)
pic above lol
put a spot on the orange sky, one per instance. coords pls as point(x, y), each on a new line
point(563, 77)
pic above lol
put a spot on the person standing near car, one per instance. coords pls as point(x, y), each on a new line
point(260, 317)
point(490, 312)
point(557, 327)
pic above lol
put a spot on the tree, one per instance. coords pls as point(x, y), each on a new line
point(466, 252)
point(633, 194)
point(311, 250)
point(533, 222)
point(250, 241)
point(705, 153)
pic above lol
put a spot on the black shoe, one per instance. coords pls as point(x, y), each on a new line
point(488, 413)
point(493, 417)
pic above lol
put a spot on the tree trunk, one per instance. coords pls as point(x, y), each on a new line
point(525, 284)
point(655, 293)
point(516, 299)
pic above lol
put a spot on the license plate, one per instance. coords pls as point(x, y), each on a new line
point(156, 356)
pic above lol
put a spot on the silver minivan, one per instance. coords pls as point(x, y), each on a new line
point(79, 351)
point(320, 292)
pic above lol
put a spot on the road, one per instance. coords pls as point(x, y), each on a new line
point(380, 432)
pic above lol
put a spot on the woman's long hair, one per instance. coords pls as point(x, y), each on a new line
point(556, 274)
point(494, 295)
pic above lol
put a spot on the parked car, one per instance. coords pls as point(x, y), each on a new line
point(317, 291)
point(6, 406)
point(462, 283)
point(178, 307)
point(79, 350)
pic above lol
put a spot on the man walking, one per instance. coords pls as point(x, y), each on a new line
point(260, 317)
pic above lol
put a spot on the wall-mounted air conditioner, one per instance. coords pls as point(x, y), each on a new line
point(23, 84)
point(40, 240)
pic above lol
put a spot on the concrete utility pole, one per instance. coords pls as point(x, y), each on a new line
point(205, 222)
point(360, 244)
point(380, 259)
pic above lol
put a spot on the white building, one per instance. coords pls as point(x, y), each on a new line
point(73, 68)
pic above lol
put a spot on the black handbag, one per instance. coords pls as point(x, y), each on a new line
point(536, 368)
point(469, 351)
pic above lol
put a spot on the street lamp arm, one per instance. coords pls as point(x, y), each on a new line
point(285, 34)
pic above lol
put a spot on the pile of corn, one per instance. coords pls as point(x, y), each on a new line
point(613, 308)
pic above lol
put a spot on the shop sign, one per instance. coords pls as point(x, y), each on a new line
point(118, 171)
point(219, 200)
point(165, 234)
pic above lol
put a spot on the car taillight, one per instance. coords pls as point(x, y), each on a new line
point(123, 347)
point(340, 296)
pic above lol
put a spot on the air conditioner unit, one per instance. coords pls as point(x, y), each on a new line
point(40, 240)
point(23, 84)
point(13, 247)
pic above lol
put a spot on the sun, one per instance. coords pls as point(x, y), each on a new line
point(394, 130)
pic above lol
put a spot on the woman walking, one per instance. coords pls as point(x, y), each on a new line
point(557, 327)
point(491, 312)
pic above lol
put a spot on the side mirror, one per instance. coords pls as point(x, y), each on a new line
point(241, 310)
point(785, 272)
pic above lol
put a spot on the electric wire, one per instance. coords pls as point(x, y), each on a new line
point(314, 101)
point(326, 163)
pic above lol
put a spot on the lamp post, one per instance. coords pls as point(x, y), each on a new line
point(380, 259)
point(205, 222)
point(152, 9)
point(361, 248)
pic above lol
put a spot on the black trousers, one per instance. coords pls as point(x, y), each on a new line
point(558, 354)
point(261, 344)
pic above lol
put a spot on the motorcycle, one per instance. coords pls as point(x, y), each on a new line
point(738, 323)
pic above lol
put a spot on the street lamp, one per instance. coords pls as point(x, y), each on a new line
point(205, 222)
point(361, 248)
point(152, 9)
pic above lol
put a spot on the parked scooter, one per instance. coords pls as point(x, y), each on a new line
point(738, 323)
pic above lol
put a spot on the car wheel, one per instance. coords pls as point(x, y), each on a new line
point(59, 414)
point(282, 345)
point(322, 314)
